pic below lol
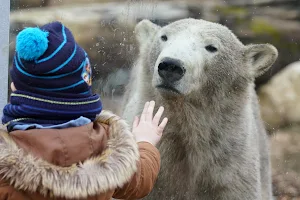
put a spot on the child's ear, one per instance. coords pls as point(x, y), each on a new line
point(260, 57)
point(12, 87)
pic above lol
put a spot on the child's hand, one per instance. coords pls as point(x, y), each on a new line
point(146, 127)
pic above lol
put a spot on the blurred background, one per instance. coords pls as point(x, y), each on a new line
point(104, 29)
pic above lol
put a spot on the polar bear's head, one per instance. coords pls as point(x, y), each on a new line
point(191, 55)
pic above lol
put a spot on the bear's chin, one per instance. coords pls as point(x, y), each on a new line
point(168, 92)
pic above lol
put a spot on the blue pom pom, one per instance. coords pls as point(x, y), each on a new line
point(31, 43)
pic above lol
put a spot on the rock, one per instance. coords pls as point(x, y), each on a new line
point(284, 13)
point(260, 2)
point(280, 98)
point(68, 2)
point(285, 158)
point(252, 25)
point(21, 4)
point(286, 186)
point(283, 34)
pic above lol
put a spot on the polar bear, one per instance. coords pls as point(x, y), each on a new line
point(215, 145)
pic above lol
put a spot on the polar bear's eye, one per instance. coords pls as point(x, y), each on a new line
point(164, 38)
point(211, 48)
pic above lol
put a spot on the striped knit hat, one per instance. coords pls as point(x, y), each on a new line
point(50, 65)
point(49, 61)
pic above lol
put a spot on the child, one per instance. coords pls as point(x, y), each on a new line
point(57, 146)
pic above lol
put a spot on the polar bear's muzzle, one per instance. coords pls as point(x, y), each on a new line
point(170, 70)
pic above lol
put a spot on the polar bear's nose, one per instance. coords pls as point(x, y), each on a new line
point(171, 70)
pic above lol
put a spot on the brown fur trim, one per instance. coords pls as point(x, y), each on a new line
point(112, 169)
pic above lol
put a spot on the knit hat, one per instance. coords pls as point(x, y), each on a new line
point(49, 61)
point(50, 65)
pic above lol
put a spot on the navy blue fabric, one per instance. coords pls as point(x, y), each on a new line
point(47, 113)
point(59, 70)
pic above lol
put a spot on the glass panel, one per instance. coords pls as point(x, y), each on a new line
point(105, 29)
point(4, 50)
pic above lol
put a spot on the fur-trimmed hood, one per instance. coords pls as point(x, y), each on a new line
point(109, 169)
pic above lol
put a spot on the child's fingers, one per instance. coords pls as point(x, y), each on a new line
point(149, 114)
point(158, 115)
point(136, 122)
point(162, 126)
point(143, 116)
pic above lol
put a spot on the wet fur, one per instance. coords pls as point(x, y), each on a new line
point(215, 146)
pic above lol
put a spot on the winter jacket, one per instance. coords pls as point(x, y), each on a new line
point(98, 161)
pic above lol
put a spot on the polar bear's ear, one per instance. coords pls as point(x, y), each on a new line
point(260, 57)
point(144, 30)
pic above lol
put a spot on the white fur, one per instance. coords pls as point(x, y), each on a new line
point(215, 145)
